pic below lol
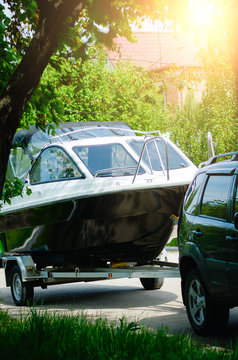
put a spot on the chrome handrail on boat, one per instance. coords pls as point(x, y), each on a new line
point(159, 156)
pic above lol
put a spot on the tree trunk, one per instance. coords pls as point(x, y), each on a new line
point(52, 23)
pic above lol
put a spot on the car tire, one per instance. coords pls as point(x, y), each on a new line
point(205, 315)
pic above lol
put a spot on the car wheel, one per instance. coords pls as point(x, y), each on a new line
point(22, 294)
point(152, 283)
point(205, 316)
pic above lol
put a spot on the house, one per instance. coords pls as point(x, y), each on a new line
point(159, 52)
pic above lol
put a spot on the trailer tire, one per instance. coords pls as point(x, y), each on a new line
point(22, 293)
point(152, 283)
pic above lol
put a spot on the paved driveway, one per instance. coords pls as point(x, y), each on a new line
point(114, 299)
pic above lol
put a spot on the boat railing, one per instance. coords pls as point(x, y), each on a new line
point(114, 129)
point(145, 148)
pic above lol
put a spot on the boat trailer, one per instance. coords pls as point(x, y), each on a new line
point(22, 275)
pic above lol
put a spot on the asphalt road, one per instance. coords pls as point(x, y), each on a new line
point(114, 299)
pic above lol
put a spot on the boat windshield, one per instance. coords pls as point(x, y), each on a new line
point(107, 160)
point(175, 160)
point(19, 164)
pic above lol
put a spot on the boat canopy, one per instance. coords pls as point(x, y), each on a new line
point(27, 143)
point(34, 139)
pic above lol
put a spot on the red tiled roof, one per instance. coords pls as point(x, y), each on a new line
point(155, 50)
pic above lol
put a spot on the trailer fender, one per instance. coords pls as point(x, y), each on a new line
point(25, 264)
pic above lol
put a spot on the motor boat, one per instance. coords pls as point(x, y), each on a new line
point(100, 192)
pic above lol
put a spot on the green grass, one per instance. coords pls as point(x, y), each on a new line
point(44, 336)
point(173, 242)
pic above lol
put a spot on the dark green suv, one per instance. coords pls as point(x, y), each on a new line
point(208, 244)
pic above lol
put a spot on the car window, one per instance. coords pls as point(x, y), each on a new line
point(215, 196)
point(191, 199)
point(52, 165)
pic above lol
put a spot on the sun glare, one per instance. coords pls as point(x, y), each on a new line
point(203, 13)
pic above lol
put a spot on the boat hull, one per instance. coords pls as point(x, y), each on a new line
point(131, 225)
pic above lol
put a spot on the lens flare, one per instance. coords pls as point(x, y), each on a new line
point(204, 14)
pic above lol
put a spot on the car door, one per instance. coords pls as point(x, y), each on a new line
point(232, 238)
point(210, 228)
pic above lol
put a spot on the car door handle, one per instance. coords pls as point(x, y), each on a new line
point(197, 233)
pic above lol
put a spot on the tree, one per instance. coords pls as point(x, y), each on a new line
point(94, 91)
point(217, 111)
point(38, 28)
point(54, 23)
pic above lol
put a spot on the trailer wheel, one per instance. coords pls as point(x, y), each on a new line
point(152, 283)
point(22, 293)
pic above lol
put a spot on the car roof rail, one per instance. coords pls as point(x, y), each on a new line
point(213, 159)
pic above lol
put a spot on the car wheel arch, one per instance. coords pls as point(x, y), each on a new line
point(186, 264)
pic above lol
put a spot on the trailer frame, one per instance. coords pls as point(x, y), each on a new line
point(22, 275)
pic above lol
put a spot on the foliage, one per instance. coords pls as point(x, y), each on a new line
point(33, 32)
point(16, 26)
point(13, 187)
point(94, 91)
point(91, 90)
point(219, 108)
point(99, 22)
point(173, 242)
point(74, 89)
point(72, 337)
point(217, 112)
point(186, 132)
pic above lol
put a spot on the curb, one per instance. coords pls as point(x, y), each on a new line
point(171, 248)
